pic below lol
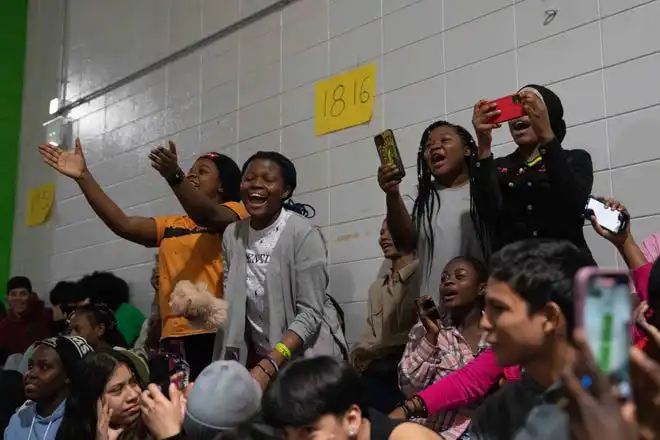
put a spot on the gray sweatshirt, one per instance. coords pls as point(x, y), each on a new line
point(522, 410)
point(297, 283)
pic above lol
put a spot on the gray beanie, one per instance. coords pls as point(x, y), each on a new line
point(223, 397)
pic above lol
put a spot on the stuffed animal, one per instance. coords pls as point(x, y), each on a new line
point(198, 305)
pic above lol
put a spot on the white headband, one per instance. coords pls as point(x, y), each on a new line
point(533, 90)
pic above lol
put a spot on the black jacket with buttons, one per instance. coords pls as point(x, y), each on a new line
point(517, 201)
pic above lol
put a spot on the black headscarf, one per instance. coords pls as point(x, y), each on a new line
point(555, 110)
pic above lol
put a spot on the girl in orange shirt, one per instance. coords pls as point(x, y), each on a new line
point(186, 250)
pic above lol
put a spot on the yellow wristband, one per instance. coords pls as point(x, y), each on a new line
point(283, 350)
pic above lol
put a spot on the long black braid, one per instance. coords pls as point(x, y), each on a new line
point(428, 199)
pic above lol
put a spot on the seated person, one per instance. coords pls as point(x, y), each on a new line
point(445, 342)
point(28, 320)
point(529, 317)
point(65, 297)
point(53, 365)
point(97, 324)
point(211, 408)
point(390, 316)
point(321, 397)
point(109, 289)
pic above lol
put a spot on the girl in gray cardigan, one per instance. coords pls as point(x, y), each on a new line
point(276, 277)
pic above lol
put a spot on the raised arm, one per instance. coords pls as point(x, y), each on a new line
point(399, 221)
point(572, 175)
point(624, 242)
point(483, 174)
point(139, 230)
point(202, 209)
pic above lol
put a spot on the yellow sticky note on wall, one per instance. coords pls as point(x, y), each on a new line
point(40, 203)
point(344, 100)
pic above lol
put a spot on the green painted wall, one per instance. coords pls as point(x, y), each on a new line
point(13, 22)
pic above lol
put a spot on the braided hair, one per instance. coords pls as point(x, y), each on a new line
point(99, 313)
point(428, 199)
point(228, 174)
point(289, 175)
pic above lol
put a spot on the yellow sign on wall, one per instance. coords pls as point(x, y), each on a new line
point(345, 100)
point(40, 203)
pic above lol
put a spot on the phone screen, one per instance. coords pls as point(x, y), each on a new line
point(607, 218)
point(607, 320)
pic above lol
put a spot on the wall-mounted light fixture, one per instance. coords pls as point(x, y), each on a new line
point(53, 106)
point(59, 131)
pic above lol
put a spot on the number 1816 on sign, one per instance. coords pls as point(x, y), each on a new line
point(345, 100)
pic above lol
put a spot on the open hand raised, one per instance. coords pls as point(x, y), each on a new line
point(70, 163)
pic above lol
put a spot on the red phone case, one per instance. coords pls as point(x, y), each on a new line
point(511, 108)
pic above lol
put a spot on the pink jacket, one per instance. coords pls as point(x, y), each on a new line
point(468, 385)
point(640, 278)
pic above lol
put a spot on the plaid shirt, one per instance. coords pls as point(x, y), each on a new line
point(423, 364)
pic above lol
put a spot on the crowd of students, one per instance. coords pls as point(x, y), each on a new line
point(471, 334)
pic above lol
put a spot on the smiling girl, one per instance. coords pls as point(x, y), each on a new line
point(187, 251)
point(276, 276)
point(437, 347)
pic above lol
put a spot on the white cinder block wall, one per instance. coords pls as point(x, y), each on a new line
point(253, 90)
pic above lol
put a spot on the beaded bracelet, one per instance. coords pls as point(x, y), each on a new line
point(415, 407)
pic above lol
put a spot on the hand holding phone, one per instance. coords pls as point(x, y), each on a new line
point(510, 107)
point(429, 316)
point(431, 308)
point(164, 368)
point(610, 215)
point(603, 311)
point(388, 152)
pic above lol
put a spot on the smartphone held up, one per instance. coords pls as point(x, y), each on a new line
point(610, 219)
point(388, 152)
point(510, 108)
point(604, 311)
point(431, 309)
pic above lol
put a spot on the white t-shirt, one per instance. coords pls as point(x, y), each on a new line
point(258, 253)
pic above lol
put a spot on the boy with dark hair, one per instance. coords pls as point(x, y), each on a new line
point(321, 397)
point(65, 297)
point(529, 316)
point(27, 320)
